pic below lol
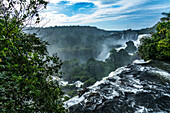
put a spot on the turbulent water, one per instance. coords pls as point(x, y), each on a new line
point(138, 88)
point(117, 43)
point(137, 42)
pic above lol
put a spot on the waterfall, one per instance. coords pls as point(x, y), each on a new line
point(123, 37)
point(104, 53)
point(112, 43)
point(137, 42)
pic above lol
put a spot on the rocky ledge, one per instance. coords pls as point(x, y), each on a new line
point(140, 87)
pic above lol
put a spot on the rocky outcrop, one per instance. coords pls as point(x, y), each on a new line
point(130, 47)
point(140, 87)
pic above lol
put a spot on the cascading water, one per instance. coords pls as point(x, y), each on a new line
point(120, 43)
point(137, 42)
point(103, 55)
point(136, 88)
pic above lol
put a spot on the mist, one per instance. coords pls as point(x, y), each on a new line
point(84, 42)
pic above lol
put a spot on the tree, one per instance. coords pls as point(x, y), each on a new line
point(22, 11)
point(158, 46)
point(26, 69)
point(167, 16)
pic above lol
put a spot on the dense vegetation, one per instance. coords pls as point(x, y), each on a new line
point(157, 46)
point(26, 68)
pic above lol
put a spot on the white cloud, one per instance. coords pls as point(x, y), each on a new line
point(104, 12)
point(71, 1)
point(159, 7)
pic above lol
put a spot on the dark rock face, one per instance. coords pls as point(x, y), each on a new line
point(134, 88)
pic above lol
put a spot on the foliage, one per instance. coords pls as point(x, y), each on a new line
point(131, 48)
point(148, 49)
point(72, 93)
point(158, 46)
point(71, 87)
point(89, 82)
point(167, 16)
point(26, 68)
point(164, 49)
point(21, 11)
point(66, 98)
point(94, 70)
point(118, 58)
point(75, 71)
point(71, 90)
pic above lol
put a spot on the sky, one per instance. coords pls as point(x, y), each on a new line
point(105, 14)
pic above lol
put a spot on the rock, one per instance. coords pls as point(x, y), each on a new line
point(81, 92)
point(134, 88)
point(140, 62)
point(130, 47)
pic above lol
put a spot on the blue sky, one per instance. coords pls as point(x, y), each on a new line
point(105, 14)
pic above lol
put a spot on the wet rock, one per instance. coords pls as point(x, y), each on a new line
point(134, 88)
point(81, 92)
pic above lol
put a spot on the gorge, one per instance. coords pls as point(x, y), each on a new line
point(89, 54)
